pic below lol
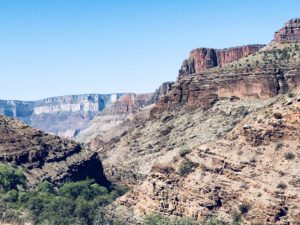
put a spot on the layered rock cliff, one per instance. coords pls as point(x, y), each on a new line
point(217, 141)
point(66, 116)
point(116, 114)
point(201, 59)
point(256, 164)
point(272, 70)
point(46, 157)
point(289, 33)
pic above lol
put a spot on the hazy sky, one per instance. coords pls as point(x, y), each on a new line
point(59, 47)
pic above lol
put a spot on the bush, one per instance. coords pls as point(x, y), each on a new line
point(289, 156)
point(186, 167)
point(46, 187)
point(184, 152)
point(72, 203)
point(244, 208)
point(282, 185)
point(11, 178)
point(278, 146)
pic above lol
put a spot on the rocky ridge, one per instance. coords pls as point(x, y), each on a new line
point(46, 157)
point(289, 33)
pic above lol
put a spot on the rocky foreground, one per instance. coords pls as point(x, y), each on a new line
point(223, 138)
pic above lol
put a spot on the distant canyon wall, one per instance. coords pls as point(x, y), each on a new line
point(67, 115)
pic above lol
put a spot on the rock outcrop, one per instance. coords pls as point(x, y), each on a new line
point(264, 73)
point(162, 91)
point(46, 157)
point(289, 33)
point(201, 59)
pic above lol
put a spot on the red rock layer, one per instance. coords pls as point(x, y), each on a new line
point(129, 103)
point(201, 59)
point(289, 33)
point(204, 90)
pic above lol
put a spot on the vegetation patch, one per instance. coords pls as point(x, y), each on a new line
point(186, 167)
point(157, 219)
point(184, 152)
point(289, 156)
point(72, 203)
point(281, 185)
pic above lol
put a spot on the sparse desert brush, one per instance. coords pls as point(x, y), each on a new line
point(245, 207)
point(186, 167)
point(289, 156)
point(281, 185)
point(184, 152)
point(278, 146)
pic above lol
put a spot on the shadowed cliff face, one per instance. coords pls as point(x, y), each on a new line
point(66, 116)
point(46, 157)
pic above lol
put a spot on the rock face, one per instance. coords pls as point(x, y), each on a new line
point(46, 157)
point(254, 164)
point(67, 115)
point(162, 91)
point(129, 103)
point(201, 59)
point(218, 139)
point(289, 33)
point(213, 75)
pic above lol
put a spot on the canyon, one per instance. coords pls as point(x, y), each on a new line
point(221, 140)
point(66, 116)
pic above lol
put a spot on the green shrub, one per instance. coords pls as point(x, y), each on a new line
point(11, 178)
point(281, 185)
point(72, 203)
point(244, 208)
point(46, 187)
point(278, 146)
point(236, 218)
point(186, 167)
point(289, 156)
point(184, 152)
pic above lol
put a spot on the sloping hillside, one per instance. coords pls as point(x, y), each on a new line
point(46, 157)
point(215, 143)
point(256, 166)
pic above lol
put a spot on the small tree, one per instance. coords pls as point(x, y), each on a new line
point(11, 178)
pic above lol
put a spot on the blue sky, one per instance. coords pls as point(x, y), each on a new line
point(60, 47)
